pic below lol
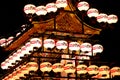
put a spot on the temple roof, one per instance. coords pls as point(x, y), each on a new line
point(64, 21)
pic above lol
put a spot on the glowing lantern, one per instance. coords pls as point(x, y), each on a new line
point(115, 71)
point(10, 39)
point(16, 56)
point(61, 44)
point(112, 19)
point(24, 69)
point(36, 42)
point(3, 42)
point(92, 12)
point(19, 73)
point(83, 6)
point(24, 51)
point(51, 7)
point(29, 9)
point(20, 54)
point(69, 68)
point(93, 69)
point(97, 48)
point(74, 46)
point(104, 69)
point(102, 17)
point(29, 47)
point(61, 3)
point(57, 67)
point(32, 66)
point(46, 67)
point(86, 47)
point(4, 65)
point(81, 69)
point(41, 10)
point(11, 60)
point(15, 76)
point(49, 43)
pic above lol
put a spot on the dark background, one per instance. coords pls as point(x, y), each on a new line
point(12, 17)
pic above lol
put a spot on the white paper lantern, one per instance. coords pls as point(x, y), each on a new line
point(102, 17)
point(61, 3)
point(41, 10)
point(4, 65)
point(29, 9)
point(36, 42)
point(86, 47)
point(29, 47)
point(92, 12)
point(97, 48)
point(46, 67)
point(69, 68)
point(49, 43)
point(112, 18)
point(3, 42)
point(115, 71)
point(74, 46)
point(61, 44)
point(93, 69)
point(51, 7)
point(83, 6)
point(81, 69)
point(57, 67)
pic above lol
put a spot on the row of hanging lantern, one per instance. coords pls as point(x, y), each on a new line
point(6, 41)
point(68, 68)
point(21, 71)
point(21, 52)
point(81, 68)
point(49, 43)
point(93, 12)
point(82, 6)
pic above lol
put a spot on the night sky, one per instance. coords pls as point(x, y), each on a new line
point(12, 17)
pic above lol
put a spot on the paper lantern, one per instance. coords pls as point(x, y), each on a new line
point(24, 69)
point(15, 75)
point(46, 67)
point(112, 18)
point(36, 42)
point(97, 48)
point(86, 47)
point(4, 65)
point(29, 9)
point(74, 46)
point(32, 66)
point(115, 71)
point(24, 51)
point(92, 69)
point(81, 69)
point(104, 69)
point(3, 42)
point(69, 68)
point(83, 6)
point(92, 12)
point(57, 67)
point(61, 3)
point(49, 43)
point(61, 44)
point(51, 7)
point(29, 47)
point(102, 17)
point(41, 10)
